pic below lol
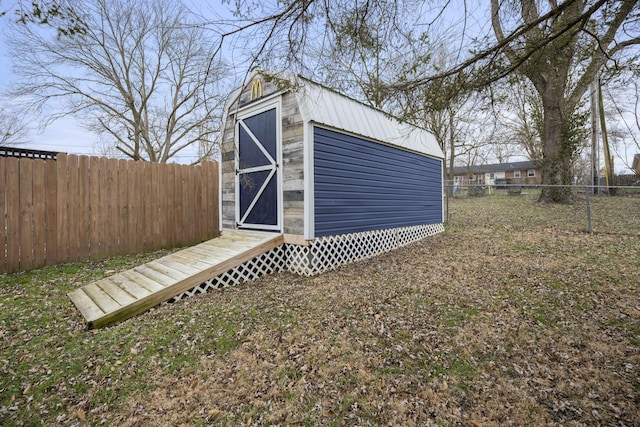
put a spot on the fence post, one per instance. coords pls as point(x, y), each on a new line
point(586, 194)
point(3, 217)
point(447, 197)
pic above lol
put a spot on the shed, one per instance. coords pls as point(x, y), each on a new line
point(342, 181)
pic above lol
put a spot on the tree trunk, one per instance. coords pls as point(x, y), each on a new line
point(556, 157)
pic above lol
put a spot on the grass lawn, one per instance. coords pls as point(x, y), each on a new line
point(513, 316)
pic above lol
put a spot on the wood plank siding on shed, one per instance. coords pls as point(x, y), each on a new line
point(362, 185)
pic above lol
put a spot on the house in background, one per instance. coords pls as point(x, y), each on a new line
point(498, 173)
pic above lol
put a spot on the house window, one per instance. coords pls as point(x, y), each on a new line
point(492, 176)
point(516, 174)
point(531, 173)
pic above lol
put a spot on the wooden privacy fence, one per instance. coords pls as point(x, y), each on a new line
point(79, 207)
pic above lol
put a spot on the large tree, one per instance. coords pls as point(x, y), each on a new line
point(560, 50)
point(136, 76)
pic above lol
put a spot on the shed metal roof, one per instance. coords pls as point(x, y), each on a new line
point(324, 106)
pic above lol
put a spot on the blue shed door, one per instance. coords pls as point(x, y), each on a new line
point(257, 172)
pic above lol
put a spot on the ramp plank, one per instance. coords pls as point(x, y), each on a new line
point(116, 292)
point(85, 304)
point(200, 252)
point(134, 291)
point(213, 253)
point(174, 263)
point(155, 275)
point(131, 287)
point(196, 263)
point(141, 280)
point(167, 271)
point(101, 298)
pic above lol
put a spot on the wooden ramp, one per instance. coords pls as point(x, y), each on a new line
point(134, 291)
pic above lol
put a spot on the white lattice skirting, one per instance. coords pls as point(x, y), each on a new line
point(327, 253)
point(267, 263)
point(322, 254)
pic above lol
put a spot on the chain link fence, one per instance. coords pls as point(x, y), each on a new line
point(599, 209)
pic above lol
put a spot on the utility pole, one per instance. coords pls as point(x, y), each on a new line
point(595, 150)
point(608, 160)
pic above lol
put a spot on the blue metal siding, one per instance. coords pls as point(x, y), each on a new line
point(361, 185)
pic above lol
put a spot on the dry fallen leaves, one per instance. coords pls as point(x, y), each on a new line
point(513, 317)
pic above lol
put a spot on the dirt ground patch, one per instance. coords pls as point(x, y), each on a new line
point(513, 316)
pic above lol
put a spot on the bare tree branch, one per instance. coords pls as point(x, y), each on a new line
point(13, 128)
